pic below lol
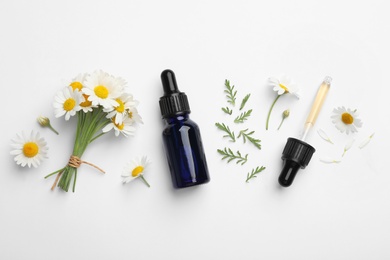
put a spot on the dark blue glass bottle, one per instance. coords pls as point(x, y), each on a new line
point(181, 136)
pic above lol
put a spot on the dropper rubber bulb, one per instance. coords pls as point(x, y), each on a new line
point(168, 80)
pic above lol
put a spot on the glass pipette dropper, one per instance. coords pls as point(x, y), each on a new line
point(297, 153)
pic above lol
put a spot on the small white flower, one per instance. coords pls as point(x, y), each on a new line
point(366, 141)
point(125, 103)
point(284, 85)
point(135, 169)
point(125, 127)
point(348, 146)
point(29, 150)
point(133, 114)
point(102, 89)
point(78, 82)
point(346, 120)
point(329, 160)
point(67, 102)
point(324, 136)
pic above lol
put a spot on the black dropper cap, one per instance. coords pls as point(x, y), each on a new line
point(296, 154)
point(173, 102)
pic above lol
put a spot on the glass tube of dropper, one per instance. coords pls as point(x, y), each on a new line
point(316, 107)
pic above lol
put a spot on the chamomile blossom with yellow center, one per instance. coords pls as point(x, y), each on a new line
point(67, 102)
point(125, 104)
point(103, 89)
point(29, 150)
point(346, 120)
point(135, 169)
point(126, 127)
point(282, 85)
point(78, 84)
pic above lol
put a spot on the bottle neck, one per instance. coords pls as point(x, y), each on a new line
point(178, 118)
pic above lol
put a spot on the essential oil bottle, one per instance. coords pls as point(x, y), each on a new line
point(181, 136)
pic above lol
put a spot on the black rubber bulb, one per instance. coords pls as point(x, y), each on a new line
point(169, 82)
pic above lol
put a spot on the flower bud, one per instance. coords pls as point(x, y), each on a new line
point(43, 121)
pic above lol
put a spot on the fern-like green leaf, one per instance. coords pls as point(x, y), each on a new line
point(227, 110)
point(227, 153)
point(230, 93)
point(244, 116)
point(244, 100)
point(254, 172)
point(248, 136)
point(226, 129)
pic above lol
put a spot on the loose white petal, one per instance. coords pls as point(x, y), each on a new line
point(329, 160)
point(324, 136)
point(348, 146)
point(366, 141)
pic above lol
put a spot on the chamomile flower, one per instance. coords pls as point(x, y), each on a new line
point(67, 102)
point(125, 127)
point(133, 114)
point(29, 150)
point(102, 89)
point(346, 120)
point(78, 82)
point(125, 103)
point(282, 85)
point(135, 169)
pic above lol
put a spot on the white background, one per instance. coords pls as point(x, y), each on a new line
point(332, 211)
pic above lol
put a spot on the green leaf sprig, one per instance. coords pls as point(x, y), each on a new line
point(227, 130)
point(243, 116)
point(254, 172)
point(247, 136)
point(230, 93)
point(227, 153)
point(244, 100)
point(227, 110)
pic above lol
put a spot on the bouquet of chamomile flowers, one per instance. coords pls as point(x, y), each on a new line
point(101, 104)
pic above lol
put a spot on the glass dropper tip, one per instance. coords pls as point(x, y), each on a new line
point(328, 80)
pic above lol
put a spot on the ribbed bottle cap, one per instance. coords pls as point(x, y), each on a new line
point(173, 102)
point(296, 154)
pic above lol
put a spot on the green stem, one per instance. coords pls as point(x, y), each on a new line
point(53, 129)
point(281, 123)
point(142, 178)
point(60, 170)
point(270, 110)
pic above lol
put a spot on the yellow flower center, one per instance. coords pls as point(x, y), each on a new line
point(86, 103)
point(76, 85)
point(283, 87)
point(121, 126)
point(121, 106)
point(30, 149)
point(131, 115)
point(347, 118)
point(101, 91)
point(69, 104)
point(137, 170)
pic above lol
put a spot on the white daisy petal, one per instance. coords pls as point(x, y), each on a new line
point(324, 136)
point(329, 160)
point(348, 146)
point(366, 141)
